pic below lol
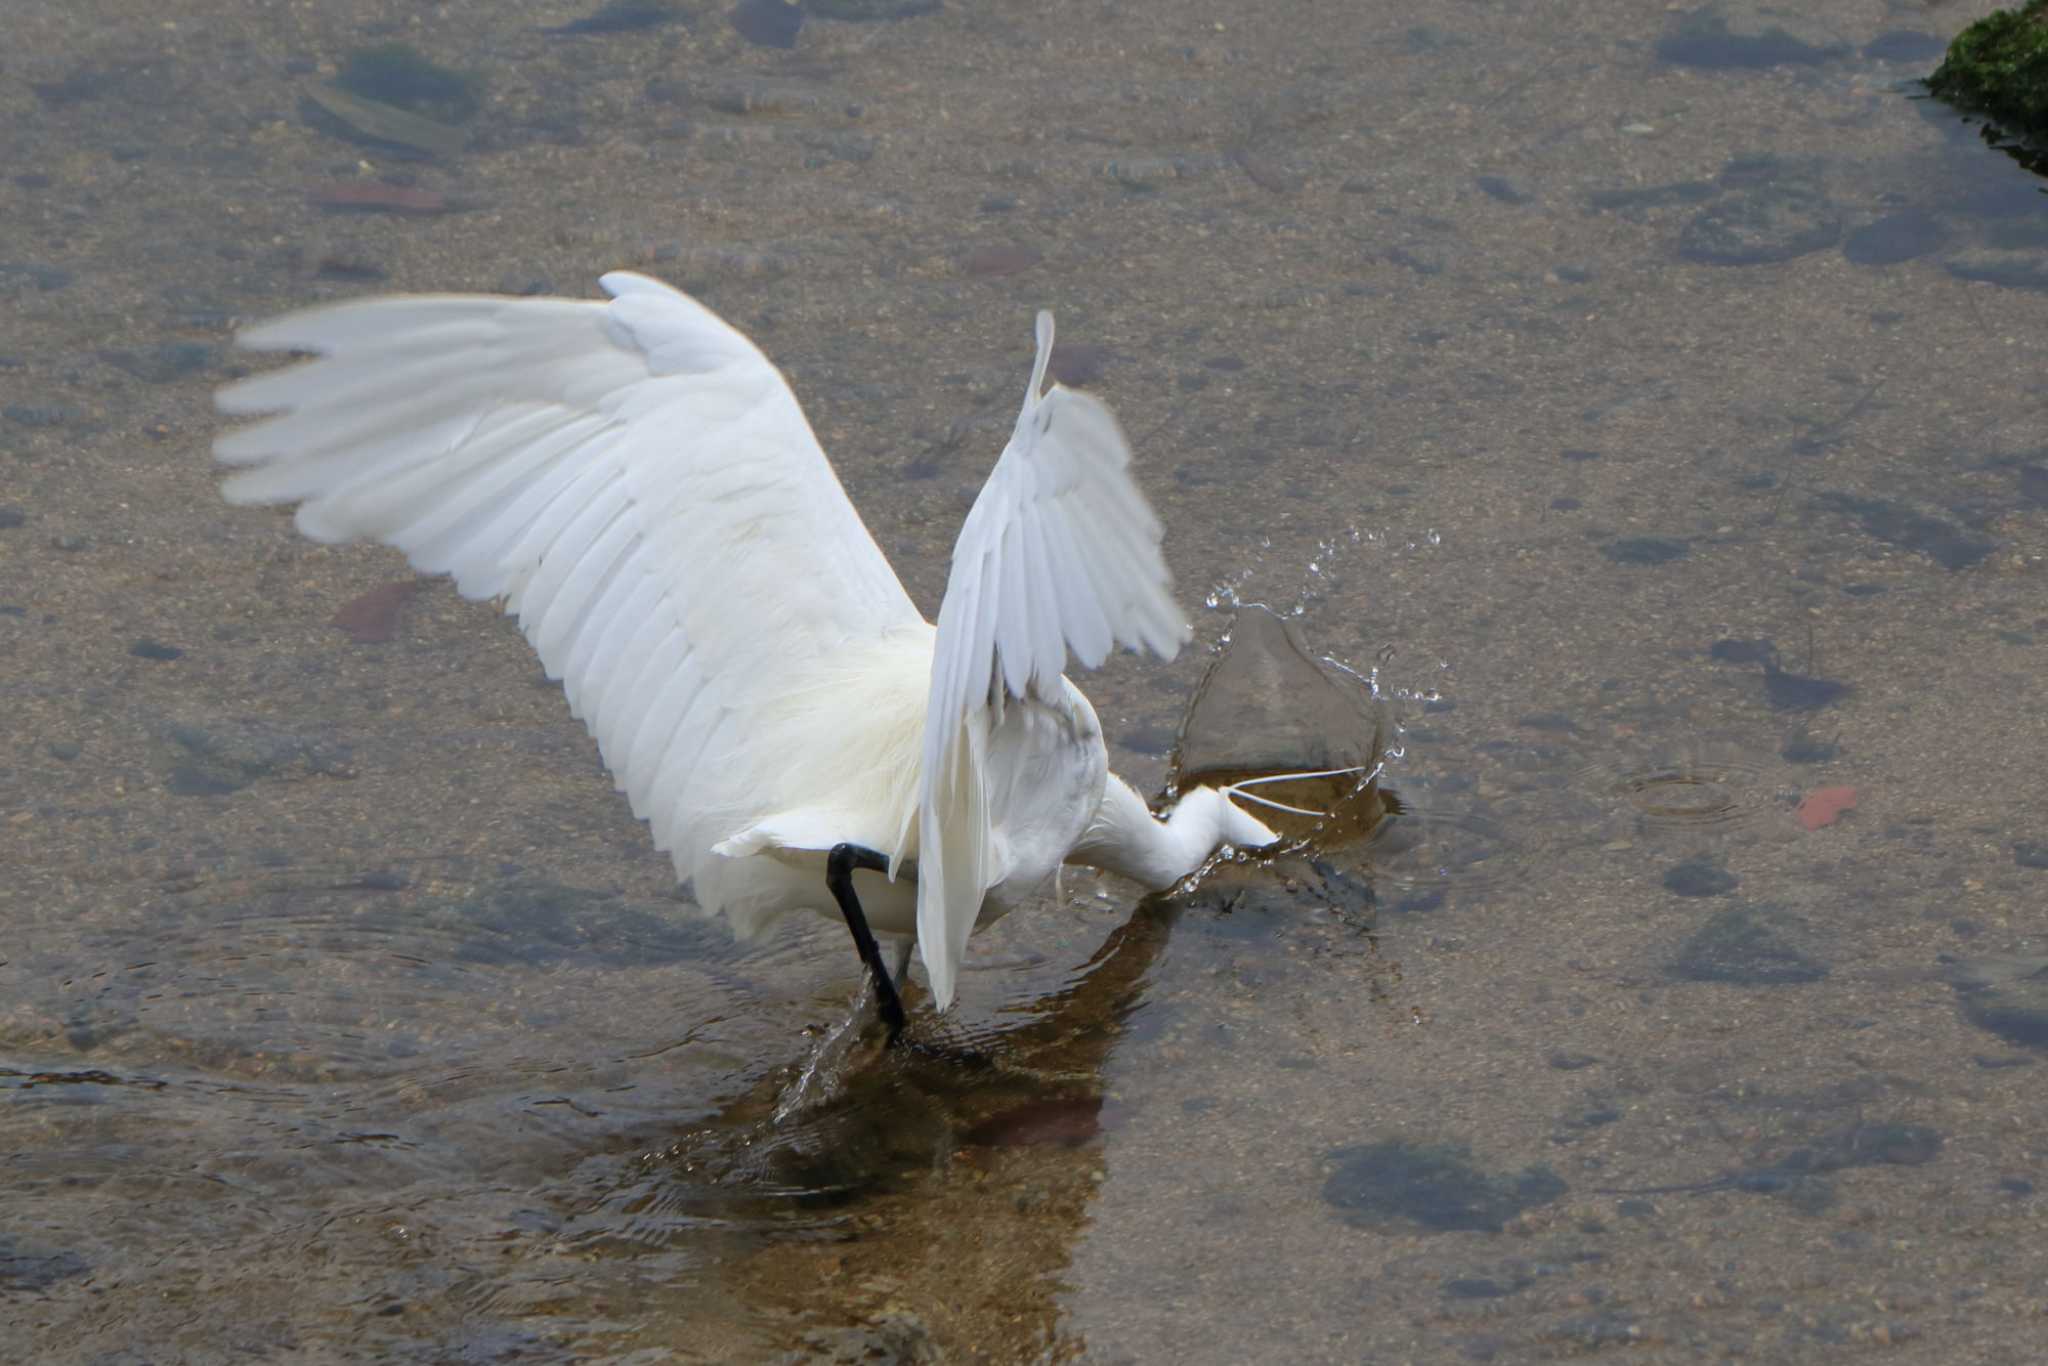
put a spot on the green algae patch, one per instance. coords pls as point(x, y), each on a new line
point(1998, 67)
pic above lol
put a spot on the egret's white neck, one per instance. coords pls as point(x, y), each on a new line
point(1127, 839)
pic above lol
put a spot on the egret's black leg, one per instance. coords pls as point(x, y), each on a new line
point(839, 866)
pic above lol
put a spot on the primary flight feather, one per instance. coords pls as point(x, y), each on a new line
point(638, 483)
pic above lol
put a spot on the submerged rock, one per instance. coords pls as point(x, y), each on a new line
point(1437, 1186)
point(401, 76)
point(2006, 995)
point(620, 16)
point(1761, 224)
point(1734, 34)
point(1998, 67)
point(1749, 946)
point(1896, 237)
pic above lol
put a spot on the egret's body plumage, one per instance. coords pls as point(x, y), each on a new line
point(639, 485)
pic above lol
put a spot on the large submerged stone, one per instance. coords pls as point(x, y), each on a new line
point(1998, 67)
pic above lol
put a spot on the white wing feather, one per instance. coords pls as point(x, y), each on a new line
point(633, 477)
point(1059, 555)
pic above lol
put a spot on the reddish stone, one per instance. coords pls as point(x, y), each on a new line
point(372, 618)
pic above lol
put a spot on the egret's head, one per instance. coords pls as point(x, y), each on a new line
point(1211, 807)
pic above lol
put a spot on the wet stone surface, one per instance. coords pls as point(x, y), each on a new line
point(1761, 224)
point(1748, 946)
point(1436, 1187)
point(1700, 877)
point(2006, 995)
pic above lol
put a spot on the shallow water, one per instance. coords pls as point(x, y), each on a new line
point(1667, 436)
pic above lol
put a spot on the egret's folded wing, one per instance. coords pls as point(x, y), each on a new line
point(1059, 556)
point(632, 476)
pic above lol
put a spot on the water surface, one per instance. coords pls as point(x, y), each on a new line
point(1659, 415)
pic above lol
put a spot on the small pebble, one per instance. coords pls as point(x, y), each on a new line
point(993, 261)
point(154, 649)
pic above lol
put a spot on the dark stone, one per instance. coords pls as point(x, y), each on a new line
point(2006, 995)
point(1904, 45)
point(1895, 524)
point(1596, 1332)
point(154, 649)
point(2016, 1186)
point(2030, 855)
point(1482, 1287)
point(2034, 484)
point(1736, 650)
point(349, 270)
point(1749, 946)
point(163, 363)
point(532, 923)
point(1419, 903)
point(226, 756)
point(1699, 877)
point(1579, 457)
point(398, 75)
point(29, 272)
point(1788, 691)
point(64, 751)
point(25, 1270)
point(620, 16)
point(767, 23)
point(1565, 504)
point(1645, 550)
point(1436, 1186)
point(1992, 265)
point(1634, 202)
point(1801, 748)
point(190, 780)
point(1503, 189)
point(1572, 1062)
point(1760, 224)
point(39, 414)
point(1705, 38)
point(1894, 238)
point(871, 11)
point(1078, 364)
point(11, 516)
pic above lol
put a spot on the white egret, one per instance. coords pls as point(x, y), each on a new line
point(638, 484)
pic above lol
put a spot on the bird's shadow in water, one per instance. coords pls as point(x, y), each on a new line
point(797, 1151)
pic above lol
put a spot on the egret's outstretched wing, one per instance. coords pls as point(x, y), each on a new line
point(632, 476)
point(1059, 556)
